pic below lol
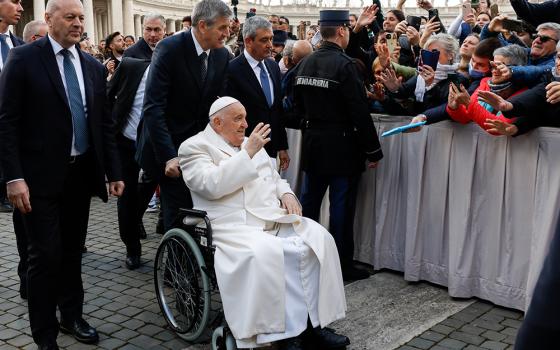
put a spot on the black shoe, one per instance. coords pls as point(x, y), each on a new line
point(350, 273)
point(81, 331)
point(132, 262)
point(142, 231)
point(326, 338)
point(48, 346)
point(159, 227)
point(295, 343)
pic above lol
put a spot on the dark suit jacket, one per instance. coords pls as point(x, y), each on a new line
point(122, 88)
point(243, 85)
point(36, 122)
point(140, 49)
point(176, 103)
point(16, 41)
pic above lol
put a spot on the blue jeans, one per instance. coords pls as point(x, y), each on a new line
point(342, 197)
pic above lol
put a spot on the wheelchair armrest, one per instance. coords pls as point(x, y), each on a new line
point(193, 212)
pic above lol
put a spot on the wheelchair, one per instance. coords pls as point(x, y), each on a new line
point(185, 282)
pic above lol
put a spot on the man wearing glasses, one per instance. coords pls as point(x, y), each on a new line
point(34, 30)
point(339, 134)
point(540, 56)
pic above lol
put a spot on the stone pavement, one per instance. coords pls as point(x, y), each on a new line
point(384, 312)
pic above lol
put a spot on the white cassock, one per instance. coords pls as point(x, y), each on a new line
point(274, 269)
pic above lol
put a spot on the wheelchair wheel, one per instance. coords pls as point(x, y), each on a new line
point(182, 286)
point(218, 341)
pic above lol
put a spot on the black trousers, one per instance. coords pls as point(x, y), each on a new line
point(135, 198)
point(56, 229)
point(342, 197)
point(541, 327)
point(21, 241)
point(174, 195)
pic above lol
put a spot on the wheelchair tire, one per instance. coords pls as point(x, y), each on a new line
point(219, 343)
point(182, 286)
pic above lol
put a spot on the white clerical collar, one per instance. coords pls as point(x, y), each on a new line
point(197, 46)
point(252, 62)
point(57, 47)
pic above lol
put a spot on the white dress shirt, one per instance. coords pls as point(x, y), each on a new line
point(257, 70)
point(199, 49)
point(10, 45)
point(75, 58)
point(131, 127)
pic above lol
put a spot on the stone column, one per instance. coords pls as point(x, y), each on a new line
point(39, 9)
point(116, 16)
point(137, 26)
point(99, 24)
point(170, 25)
point(178, 25)
point(128, 18)
point(89, 19)
point(105, 25)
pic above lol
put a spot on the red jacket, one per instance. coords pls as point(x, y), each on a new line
point(476, 112)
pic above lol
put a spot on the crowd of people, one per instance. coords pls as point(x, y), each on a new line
point(145, 115)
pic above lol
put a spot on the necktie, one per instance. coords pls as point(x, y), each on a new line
point(79, 121)
point(203, 66)
point(4, 47)
point(265, 84)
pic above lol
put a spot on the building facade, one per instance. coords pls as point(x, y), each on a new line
point(126, 16)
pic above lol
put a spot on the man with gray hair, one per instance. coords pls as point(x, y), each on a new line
point(186, 75)
point(540, 57)
point(34, 30)
point(70, 134)
point(254, 79)
point(152, 33)
point(286, 62)
point(278, 272)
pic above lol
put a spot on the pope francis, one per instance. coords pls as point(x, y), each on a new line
point(278, 272)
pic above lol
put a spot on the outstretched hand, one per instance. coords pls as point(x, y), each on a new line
point(496, 126)
point(368, 15)
point(495, 101)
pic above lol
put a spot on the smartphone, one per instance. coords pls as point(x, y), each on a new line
point(494, 10)
point(513, 25)
point(454, 78)
point(391, 42)
point(467, 9)
point(475, 4)
point(433, 13)
point(316, 38)
point(414, 21)
point(429, 58)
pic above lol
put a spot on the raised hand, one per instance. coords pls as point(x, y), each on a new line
point(463, 97)
point(257, 139)
point(413, 36)
point(401, 27)
point(496, 126)
point(367, 17)
point(383, 54)
point(500, 72)
point(428, 74)
point(494, 100)
point(390, 80)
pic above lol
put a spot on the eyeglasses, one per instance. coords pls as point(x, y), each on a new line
point(544, 38)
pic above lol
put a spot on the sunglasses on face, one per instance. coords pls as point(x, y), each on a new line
point(544, 38)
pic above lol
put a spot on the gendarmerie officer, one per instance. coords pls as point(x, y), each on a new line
point(338, 135)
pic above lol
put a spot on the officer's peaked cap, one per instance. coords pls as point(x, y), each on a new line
point(334, 17)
